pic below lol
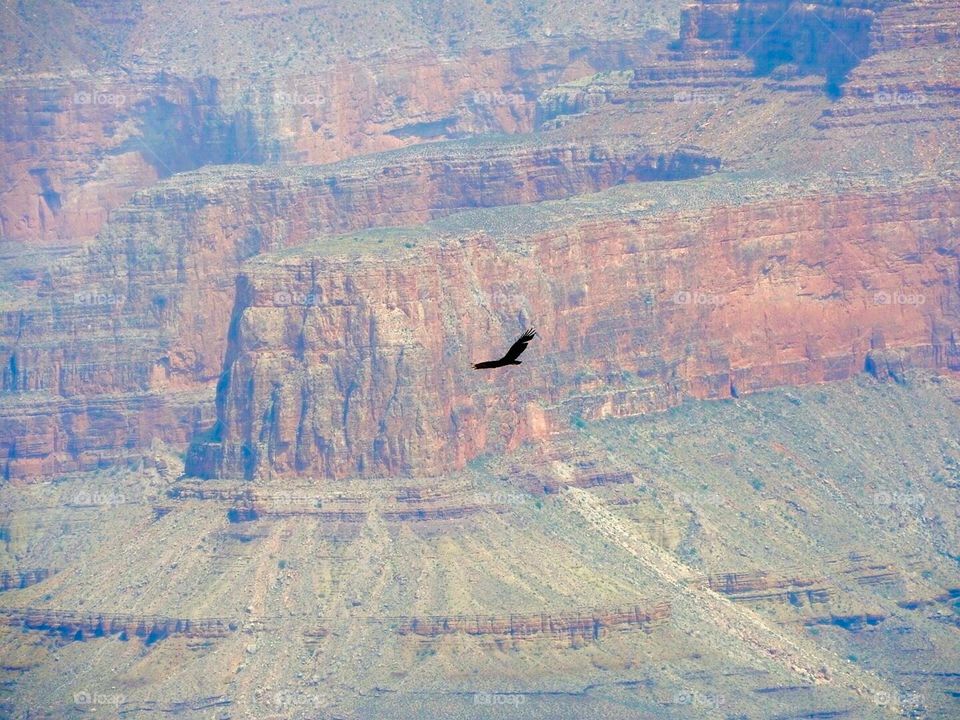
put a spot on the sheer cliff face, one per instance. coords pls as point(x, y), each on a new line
point(111, 348)
point(77, 147)
point(347, 366)
point(247, 468)
point(264, 318)
point(99, 100)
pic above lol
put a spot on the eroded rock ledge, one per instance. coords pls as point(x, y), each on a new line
point(352, 357)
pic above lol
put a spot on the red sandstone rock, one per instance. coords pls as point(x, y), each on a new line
point(731, 301)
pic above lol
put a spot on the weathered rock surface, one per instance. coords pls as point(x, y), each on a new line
point(123, 343)
point(771, 200)
point(716, 535)
point(74, 149)
point(349, 362)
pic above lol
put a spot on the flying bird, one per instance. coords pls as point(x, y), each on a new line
point(512, 354)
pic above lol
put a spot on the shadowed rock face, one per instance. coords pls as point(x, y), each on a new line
point(823, 37)
point(75, 149)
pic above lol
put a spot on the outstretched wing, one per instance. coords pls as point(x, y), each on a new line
point(519, 346)
point(512, 354)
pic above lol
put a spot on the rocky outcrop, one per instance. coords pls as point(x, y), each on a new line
point(950, 596)
point(124, 343)
point(367, 375)
point(550, 483)
point(78, 625)
point(21, 578)
point(584, 624)
point(105, 350)
point(799, 590)
point(854, 622)
point(77, 147)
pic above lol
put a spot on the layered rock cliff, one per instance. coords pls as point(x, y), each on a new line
point(125, 342)
point(769, 202)
point(353, 357)
point(122, 344)
point(77, 147)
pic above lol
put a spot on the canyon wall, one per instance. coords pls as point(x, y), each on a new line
point(149, 331)
point(355, 363)
point(822, 36)
point(77, 146)
point(108, 349)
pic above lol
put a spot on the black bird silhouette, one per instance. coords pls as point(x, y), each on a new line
point(512, 354)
